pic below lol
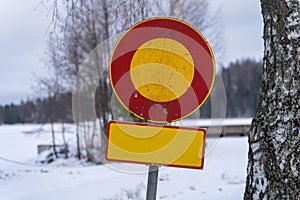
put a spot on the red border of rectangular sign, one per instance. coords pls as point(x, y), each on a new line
point(155, 125)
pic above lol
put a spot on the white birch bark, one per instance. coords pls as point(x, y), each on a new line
point(274, 140)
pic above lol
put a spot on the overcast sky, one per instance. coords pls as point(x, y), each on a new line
point(23, 41)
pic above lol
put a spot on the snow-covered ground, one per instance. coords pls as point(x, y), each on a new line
point(21, 178)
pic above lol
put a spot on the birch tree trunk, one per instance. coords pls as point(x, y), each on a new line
point(274, 140)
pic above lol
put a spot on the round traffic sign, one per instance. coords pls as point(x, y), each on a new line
point(162, 69)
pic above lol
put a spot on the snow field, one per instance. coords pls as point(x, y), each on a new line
point(21, 178)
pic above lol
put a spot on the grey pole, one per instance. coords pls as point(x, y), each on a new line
point(152, 182)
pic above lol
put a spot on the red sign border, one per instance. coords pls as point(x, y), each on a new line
point(140, 106)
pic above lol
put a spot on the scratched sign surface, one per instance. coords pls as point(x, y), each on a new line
point(162, 70)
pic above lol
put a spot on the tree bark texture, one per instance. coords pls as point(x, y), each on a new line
point(274, 141)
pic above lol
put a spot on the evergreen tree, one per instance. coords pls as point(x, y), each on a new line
point(242, 80)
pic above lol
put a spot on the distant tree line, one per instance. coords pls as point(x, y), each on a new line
point(241, 78)
point(242, 81)
point(38, 110)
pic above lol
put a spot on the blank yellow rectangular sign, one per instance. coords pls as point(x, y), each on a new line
point(155, 144)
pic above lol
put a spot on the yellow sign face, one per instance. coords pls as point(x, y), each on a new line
point(162, 69)
point(155, 144)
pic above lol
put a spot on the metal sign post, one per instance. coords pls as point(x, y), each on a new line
point(152, 182)
point(161, 70)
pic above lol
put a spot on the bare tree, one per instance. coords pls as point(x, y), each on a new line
point(274, 140)
point(53, 89)
point(50, 88)
point(87, 24)
point(199, 14)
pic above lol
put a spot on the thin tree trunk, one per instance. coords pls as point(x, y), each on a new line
point(52, 126)
point(274, 139)
point(66, 149)
point(78, 144)
point(53, 139)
